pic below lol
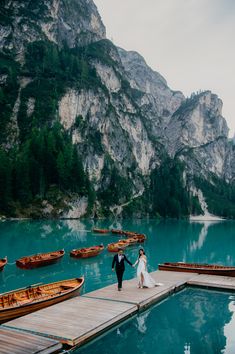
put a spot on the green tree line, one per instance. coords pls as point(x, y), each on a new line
point(170, 197)
point(46, 158)
point(219, 195)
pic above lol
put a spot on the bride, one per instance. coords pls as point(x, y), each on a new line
point(145, 280)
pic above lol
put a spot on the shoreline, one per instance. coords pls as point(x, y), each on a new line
point(208, 217)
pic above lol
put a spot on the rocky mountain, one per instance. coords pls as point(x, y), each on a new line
point(66, 23)
point(90, 129)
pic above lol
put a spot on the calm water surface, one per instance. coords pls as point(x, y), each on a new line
point(167, 241)
point(191, 322)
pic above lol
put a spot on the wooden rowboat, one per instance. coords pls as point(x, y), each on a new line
point(87, 252)
point(140, 238)
point(132, 241)
point(101, 231)
point(20, 302)
point(114, 247)
point(130, 234)
point(39, 260)
point(213, 269)
point(117, 231)
point(3, 262)
point(125, 233)
point(125, 242)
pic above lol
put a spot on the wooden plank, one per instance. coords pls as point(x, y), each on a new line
point(213, 281)
point(14, 342)
point(171, 281)
point(74, 320)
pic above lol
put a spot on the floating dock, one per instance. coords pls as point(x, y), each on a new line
point(78, 320)
point(19, 342)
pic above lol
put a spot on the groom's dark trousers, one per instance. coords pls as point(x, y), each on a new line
point(120, 267)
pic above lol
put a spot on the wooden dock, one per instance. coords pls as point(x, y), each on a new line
point(141, 298)
point(75, 320)
point(213, 282)
point(78, 320)
point(18, 342)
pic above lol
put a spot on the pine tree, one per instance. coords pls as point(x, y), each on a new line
point(61, 168)
point(23, 185)
point(5, 182)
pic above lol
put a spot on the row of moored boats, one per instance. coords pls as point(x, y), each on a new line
point(20, 302)
point(132, 238)
point(43, 259)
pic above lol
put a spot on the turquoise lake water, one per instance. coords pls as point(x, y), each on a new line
point(193, 321)
point(167, 241)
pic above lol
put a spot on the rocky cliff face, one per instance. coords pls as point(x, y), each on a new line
point(121, 115)
point(71, 23)
point(157, 95)
point(198, 133)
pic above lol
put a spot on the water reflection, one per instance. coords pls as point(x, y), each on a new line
point(141, 322)
point(229, 329)
point(193, 321)
point(197, 245)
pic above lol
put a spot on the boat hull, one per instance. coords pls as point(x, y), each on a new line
point(132, 241)
point(210, 271)
point(3, 262)
point(115, 247)
point(101, 231)
point(130, 234)
point(117, 232)
point(12, 313)
point(86, 253)
point(40, 262)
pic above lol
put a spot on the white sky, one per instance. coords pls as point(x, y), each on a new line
point(190, 42)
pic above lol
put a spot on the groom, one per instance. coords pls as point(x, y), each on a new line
point(118, 262)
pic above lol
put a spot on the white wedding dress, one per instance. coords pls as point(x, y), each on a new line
point(146, 280)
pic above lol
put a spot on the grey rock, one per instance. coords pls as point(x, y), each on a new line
point(198, 133)
point(71, 23)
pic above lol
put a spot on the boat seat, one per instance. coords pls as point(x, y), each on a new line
point(66, 287)
point(39, 290)
point(11, 299)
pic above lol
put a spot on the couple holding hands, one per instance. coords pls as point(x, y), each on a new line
point(144, 279)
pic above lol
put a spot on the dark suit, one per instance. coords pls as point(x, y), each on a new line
point(120, 267)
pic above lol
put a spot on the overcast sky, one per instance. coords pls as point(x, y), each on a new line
point(190, 42)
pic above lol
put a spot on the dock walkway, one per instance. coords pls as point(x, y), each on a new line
point(19, 342)
point(75, 321)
